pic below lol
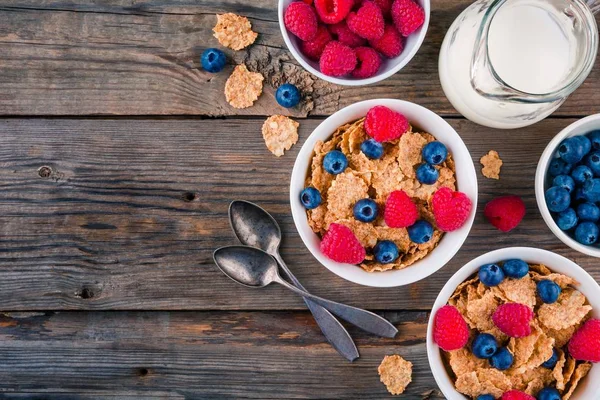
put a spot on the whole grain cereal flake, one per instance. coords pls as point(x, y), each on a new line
point(234, 31)
point(243, 87)
point(395, 373)
point(491, 165)
point(280, 134)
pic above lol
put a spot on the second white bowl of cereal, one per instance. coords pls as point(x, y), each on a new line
point(517, 319)
point(383, 193)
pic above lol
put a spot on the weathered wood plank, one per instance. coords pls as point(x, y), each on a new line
point(142, 58)
point(125, 214)
point(193, 355)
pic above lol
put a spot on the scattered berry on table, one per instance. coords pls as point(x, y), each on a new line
point(585, 343)
point(450, 209)
point(337, 59)
point(367, 22)
point(434, 153)
point(491, 274)
point(551, 362)
point(513, 319)
point(586, 233)
point(213, 60)
point(314, 48)
point(333, 11)
point(408, 16)
point(594, 137)
point(365, 210)
point(484, 346)
point(427, 174)
point(485, 397)
point(301, 20)
point(340, 245)
point(548, 291)
point(591, 190)
point(287, 95)
point(515, 268)
point(516, 395)
point(372, 149)
point(310, 198)
point(571, 150)
point(505, 213)
point(588, 212)
point(557, 199)
point(502, 359)
point(450, 331)
point(580, 174)
point(390, 44)
point(548, 393)
point(400, 211)
point(386, 252)
point(420, 232)
point(384, 124)
point(335, 162)
point(564, 181)
point(368, 62)
point(558, 167)
point(567, 219)
point(593, 161)
point(344, 35)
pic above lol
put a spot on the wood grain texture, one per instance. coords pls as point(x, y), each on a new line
point(126, 57)
point(198, 355)
point(124, 214)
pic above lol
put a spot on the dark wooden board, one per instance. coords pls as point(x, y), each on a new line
point(124, 214)
point(142, 58)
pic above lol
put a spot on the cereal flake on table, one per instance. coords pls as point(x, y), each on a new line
point(280, 133)
point(395, 373)
point(491, 165)
point(234, 31)
point(243, 87)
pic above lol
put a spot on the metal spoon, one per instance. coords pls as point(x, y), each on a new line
point(255, 268)
point(255, 227)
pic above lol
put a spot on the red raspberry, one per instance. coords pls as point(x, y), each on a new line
point(505, 213)
point(368, 64)
point(340, 244)
point(516, 395)
point(337, 59)
point(343, 34)
point(301, 20)
point(309, 2)
point(333, 11)
point(384, 5)
point(585, 343)
point(314, 48)
point(513, 319)
point(400, 210)
point(451, 209)
point(367, 22)
point(385, 125)
point(390, 44)
point(408, 16)
point(450, 331)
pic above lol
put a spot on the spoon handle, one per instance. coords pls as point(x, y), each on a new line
point(365, 320)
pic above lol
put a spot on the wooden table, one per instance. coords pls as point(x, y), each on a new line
point(119, 157)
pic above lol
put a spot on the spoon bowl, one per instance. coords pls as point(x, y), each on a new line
point(254, 226)
point(246, 266)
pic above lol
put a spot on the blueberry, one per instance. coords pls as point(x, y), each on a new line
point(564, 181)
point(558, 167)
point(491, 274)
point(502, 359)
point(594, 137)
point(372, 149)
point(287, 95)
point(578, 194)
point(593, 161)
point(571, 150)
point(586, 143)
point(427, 174)
point(591, 190)
point(515, 268)
point(365, 210)
point(548, 291)
point(335, 162)
point(557, 199)
point(213, 60)
point(588, 212)
point(485, 397)
point(484, 345)
point(310, 198)
point(548, 393)
point(567, 219)
point(586, 233)
point(385, 251)
point(551, 362)
point(435, 153)
point(420, 232)
point(581, 173)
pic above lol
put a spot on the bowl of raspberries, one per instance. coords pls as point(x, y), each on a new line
point(353, 42)
point(567, 185)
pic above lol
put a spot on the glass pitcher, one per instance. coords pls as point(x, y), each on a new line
point(510, 63)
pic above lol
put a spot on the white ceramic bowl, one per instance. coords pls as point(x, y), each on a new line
point(388, 66)
point(588, 286)
point(580, 127)
point(466, 178)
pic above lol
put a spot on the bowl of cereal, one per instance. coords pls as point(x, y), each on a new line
point(516, 319)
point(383, 193)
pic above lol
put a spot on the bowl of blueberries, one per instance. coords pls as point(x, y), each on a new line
point(567, 185)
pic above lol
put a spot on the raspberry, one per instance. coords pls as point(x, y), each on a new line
point(333, 11)
point(301, 20)
point(342, 33)
point(408, 16)
point(340, 244)
point(309, 2)
point(390, 44)
point(513, 319)
point(585, 343)
point(368, 64)
point(400, 211)
point(451, 209)
point(450, 331)
point(337, 59)
point(314, 48)
point(367, 22)
point(384, 5)
point(516, 395)
point(505, 213)
point(385, 125)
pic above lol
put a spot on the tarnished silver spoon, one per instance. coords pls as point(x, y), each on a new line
point(255, 268)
